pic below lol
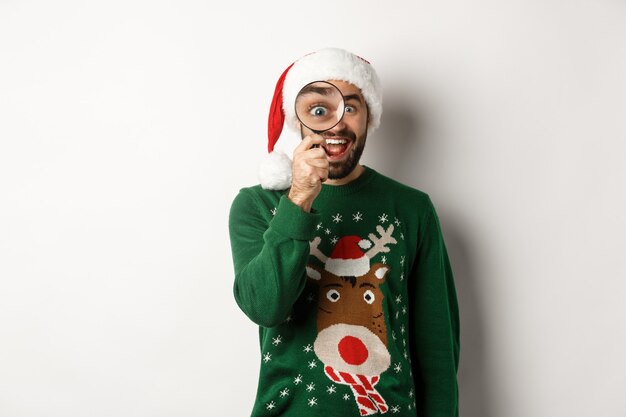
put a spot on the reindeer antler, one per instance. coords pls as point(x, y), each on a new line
point(315, 251)
point(381, 242)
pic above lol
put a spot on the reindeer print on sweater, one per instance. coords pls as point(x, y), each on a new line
point(351, 337)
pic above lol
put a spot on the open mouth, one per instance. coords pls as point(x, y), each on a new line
point(337, 148)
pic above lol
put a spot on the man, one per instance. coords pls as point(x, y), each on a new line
point(344, 270)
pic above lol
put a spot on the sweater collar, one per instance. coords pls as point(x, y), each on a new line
point(349, 188)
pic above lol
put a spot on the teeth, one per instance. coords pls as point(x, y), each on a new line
point(336, 141)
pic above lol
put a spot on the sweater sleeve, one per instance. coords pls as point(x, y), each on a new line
point(269, 256)
point(435, 325)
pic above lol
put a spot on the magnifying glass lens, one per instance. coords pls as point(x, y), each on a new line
point(319, 106)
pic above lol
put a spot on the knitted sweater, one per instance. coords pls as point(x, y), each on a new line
point(355, 301)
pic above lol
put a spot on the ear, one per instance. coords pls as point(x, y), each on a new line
point(380, 271)
point(314, 272)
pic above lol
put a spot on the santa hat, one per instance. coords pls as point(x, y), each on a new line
point(323, 65)
point(347, 259)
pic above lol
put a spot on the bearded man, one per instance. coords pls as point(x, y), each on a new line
point(344, 269)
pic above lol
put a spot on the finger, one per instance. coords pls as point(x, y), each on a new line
point(323, 174)
point(314, 153)
point(307, 142)
point(318, 163)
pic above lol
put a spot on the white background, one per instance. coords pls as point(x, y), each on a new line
point(126, 129)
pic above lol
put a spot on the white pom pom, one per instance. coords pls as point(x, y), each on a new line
point(365, 244)
point(275, 171)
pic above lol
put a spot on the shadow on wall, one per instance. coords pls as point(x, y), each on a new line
point(399, 147)
point(475, 398)
point(394, 143)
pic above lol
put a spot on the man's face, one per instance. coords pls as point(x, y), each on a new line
point(345, 142)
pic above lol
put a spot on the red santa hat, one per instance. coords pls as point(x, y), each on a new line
point(323, 65)
point(347, 259)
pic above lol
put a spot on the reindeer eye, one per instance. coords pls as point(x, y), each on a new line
point(368, 296)
point(333, 296)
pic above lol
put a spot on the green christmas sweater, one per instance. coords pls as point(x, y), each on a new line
point(355, 301)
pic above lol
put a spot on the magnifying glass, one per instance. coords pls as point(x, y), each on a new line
point(319, 106)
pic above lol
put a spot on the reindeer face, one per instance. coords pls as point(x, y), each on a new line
point(352, 335)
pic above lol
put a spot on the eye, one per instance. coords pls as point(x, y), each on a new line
point(333, 296)
point(318, 111)
point(368, 296)
point(350, 109)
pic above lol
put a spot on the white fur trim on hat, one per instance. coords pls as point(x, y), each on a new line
point(348, 267)
point(333, 64)
point(275, 171)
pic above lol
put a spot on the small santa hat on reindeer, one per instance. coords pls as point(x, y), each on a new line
point(324, 65)
point(348, 259)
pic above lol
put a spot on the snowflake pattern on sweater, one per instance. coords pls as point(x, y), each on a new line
point(351, 347)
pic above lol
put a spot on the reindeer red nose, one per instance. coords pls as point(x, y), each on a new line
point(352, 350)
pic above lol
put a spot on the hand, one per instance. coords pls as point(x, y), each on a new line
point(309, 170)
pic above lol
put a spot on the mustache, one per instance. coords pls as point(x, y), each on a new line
point(343, 133)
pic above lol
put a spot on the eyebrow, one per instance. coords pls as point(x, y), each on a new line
point(366, 284)
point(356, 97)
point(333, 285)
point(325, 91)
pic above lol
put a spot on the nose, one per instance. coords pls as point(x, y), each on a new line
point(337, 128)
point(352, 350)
